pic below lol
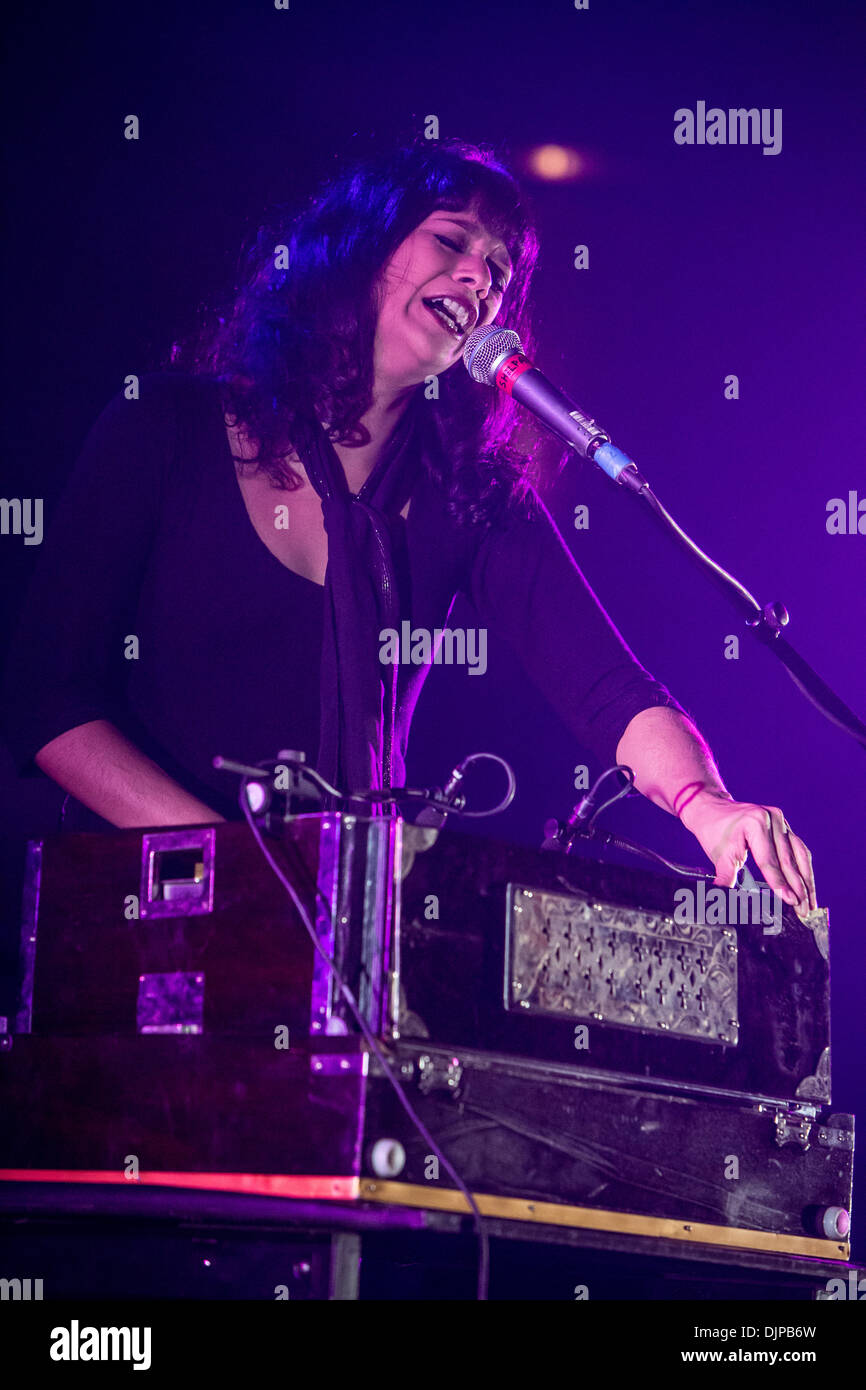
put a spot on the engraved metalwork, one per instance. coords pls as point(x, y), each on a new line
point(170, 1002)
point(571, 957)
point(816, 1087)
point(408, 1024)
point(818, 922)
point(418, 841)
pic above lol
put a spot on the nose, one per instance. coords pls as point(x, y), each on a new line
point(474, 270)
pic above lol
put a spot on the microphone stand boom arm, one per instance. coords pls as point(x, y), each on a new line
point(494, 356)
point(765, 622)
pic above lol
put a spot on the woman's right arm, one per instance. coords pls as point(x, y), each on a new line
point(109, 775)
point(64, 704)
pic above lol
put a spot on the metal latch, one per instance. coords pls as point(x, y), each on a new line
point(439, 1074)
point(792, 1129)
point(177, 873)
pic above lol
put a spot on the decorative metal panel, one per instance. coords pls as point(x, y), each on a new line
point(171, 1002)
point(29, 922)
point(572, 957)
point(335, 858)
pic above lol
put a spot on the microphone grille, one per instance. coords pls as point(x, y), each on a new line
point(484, 347)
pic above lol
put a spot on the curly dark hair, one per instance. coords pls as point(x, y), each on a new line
point(299, 331)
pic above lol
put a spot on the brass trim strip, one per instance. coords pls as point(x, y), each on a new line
point(591, 1218)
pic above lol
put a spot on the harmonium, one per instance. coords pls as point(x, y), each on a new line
point(250, 1012)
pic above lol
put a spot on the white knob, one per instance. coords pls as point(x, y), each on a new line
point(387, 1158)
point(836, 1222)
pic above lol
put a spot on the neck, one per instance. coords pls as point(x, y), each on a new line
point(380, 422)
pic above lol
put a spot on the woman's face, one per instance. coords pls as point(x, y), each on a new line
point(444, 280)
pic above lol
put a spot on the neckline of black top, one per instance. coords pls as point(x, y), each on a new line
point(241, 514)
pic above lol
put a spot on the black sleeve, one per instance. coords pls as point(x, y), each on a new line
point(65, 662)
point(526, 587)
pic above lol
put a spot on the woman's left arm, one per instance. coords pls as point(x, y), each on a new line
point(674, 768)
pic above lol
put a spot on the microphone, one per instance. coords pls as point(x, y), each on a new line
point(495, 357)
point(435, 815)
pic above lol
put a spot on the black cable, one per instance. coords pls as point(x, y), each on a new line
point(263, 771)
point(435, 800)
point(623, 791)
point(623, 842)
point(594, 1155)
point(581, 827)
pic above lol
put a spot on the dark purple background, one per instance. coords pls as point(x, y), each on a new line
point(703, 261)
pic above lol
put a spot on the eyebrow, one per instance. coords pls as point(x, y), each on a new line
point(471, 225)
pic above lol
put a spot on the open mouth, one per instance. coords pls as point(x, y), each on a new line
point(453, 316)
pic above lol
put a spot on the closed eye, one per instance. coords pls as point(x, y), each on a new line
point(496, 280)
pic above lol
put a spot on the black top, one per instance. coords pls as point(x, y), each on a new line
point(151, 541)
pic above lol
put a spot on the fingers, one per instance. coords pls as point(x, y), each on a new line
point(786, 866)
point(804, 864)
point(781, 856)
point(795, 859)
point(729, 865)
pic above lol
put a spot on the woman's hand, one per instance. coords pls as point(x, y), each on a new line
point(729, 830)
point(674, 768)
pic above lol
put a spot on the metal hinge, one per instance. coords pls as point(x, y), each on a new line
point(338, 1064)
point(439, 1073)
point(835, 1138)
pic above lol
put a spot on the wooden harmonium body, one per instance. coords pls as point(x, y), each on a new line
point(453, 940)
point(581, 1055)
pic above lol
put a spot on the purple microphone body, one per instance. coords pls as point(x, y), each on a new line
point(495, 357)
